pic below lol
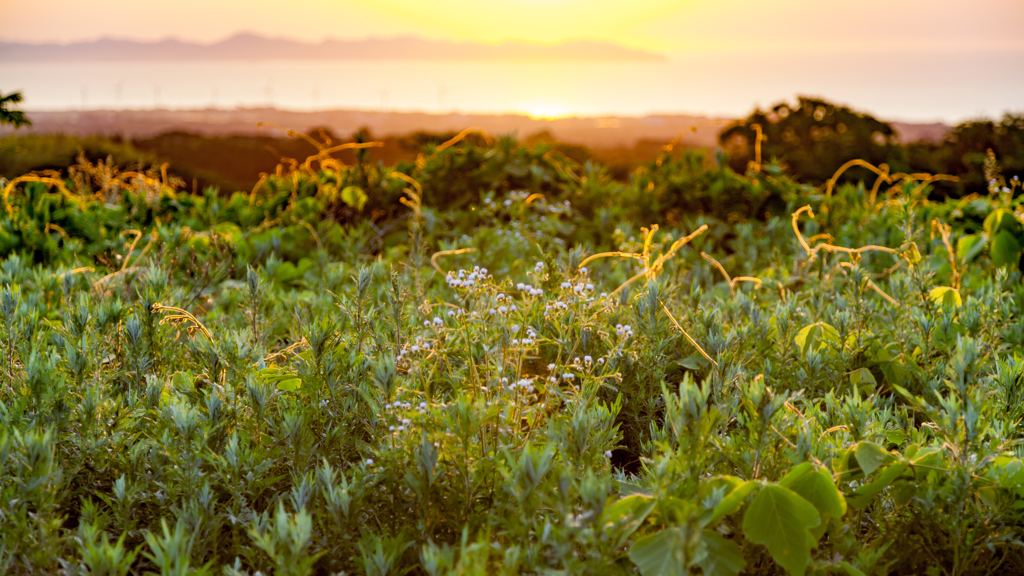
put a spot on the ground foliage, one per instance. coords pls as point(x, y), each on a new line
point(345, 372)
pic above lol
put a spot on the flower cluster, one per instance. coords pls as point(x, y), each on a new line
point(463, 279)
point(529, 289)
point(531, 334)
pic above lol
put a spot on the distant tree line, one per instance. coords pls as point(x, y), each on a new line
point(813, 137)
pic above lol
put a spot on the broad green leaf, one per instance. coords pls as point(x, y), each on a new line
point(630, 489)
point(862, 496)
point(665, 553)
point(630, 513)
point(989, 496)
point(870, 456)
point(1005, 250)
point(724, 557)
point(819, 489)
point(694, 362)
point(274, 375)
point(969, 246)
point(286, 381)
point(732, 501)
point(727, 483)
point(796, 473)
point(895, 436)
point(816, 337)
point(781, 520)
point(945, 297)
point(674, 510)
point(844, 461)
point(926, 457)
point(354, 197)
point(630, 506)
point(862, 376)
point(1001, 220)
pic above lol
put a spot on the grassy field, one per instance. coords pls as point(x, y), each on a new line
point(491, 359)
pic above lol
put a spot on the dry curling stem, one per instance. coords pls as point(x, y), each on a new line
point(181, 315)
point(812, 253)
point(651, 270)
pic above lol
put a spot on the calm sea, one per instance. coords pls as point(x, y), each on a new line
point(903, 86)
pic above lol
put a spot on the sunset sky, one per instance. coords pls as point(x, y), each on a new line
point(921, 60)
point(664, 25)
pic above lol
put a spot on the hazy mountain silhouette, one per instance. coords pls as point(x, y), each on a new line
point(248, 46)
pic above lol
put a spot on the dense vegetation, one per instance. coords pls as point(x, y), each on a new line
point(480, 362)
point(811, 137)
point(814, 136)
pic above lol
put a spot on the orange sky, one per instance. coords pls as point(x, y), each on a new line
point(664, 25)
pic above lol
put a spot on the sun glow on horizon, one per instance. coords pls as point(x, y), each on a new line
point(547, 110)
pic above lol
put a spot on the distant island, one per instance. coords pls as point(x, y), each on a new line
point(247, 46)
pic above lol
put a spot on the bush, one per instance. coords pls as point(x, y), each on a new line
point(502, 372)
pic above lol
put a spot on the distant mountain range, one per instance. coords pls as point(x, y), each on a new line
point(248, 46)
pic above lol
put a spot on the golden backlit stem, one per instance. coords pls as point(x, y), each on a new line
point(41, 179)
point(812, 252)
point(658, 264)
point(944, 231)
point(756, 281)
point(433, 259)
point(181, 314)
point(880, 292)
point(719, 266)
point(458, 138)
point(589, 259)
point(688, 337)
point(882, 171)
point(131, 248)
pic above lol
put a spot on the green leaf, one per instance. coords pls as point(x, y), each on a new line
point(945, 297)
point(1001, 220)
point(816, 337)
point(895, 436)
point(664, 553)
point(870, 456)
point(969, 246)
point(862, 376)
point(732, 501)
point(862, 496)
point(354, 197)
point(629, 513)
point(863, 380)
point(796, 473)
point(672, 510)
point(724, 557)
point(820, 490)
point(694, 362)
point(181, 379)
point(1005, 250)
point(781, 520)
point(286, 381)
